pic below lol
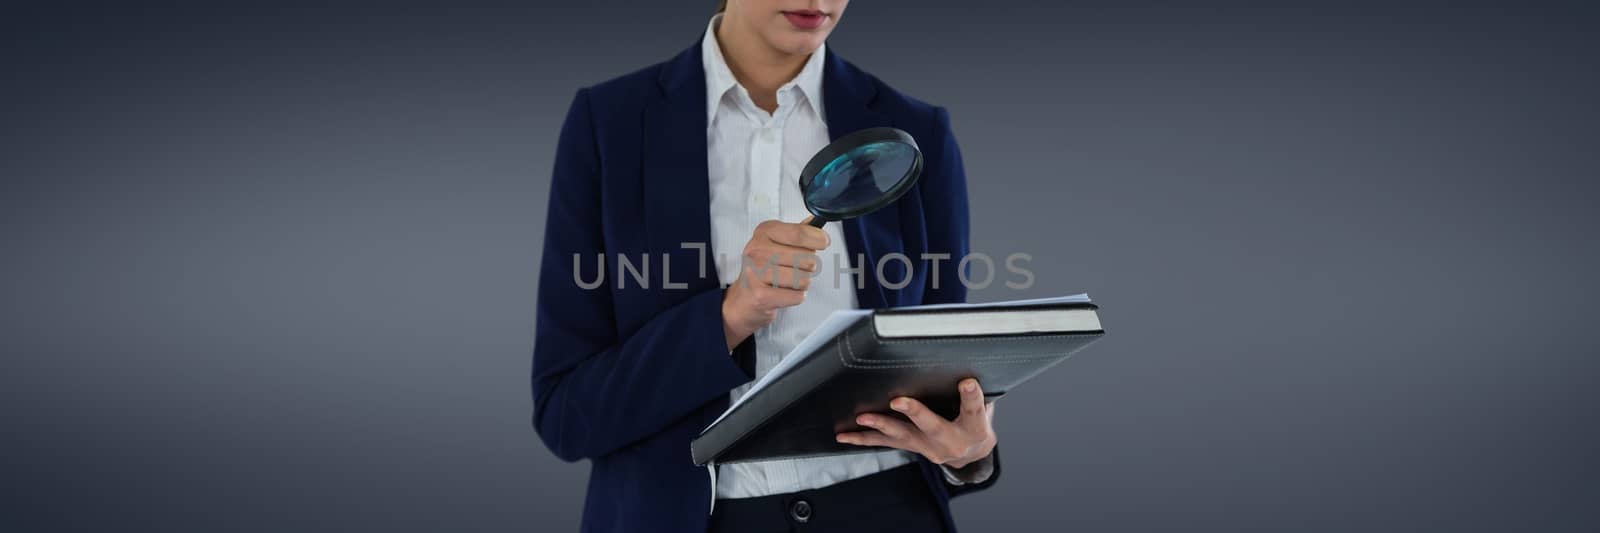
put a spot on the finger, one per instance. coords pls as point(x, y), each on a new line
point(785, 277)
point(874, 438)
point(763, 254)
point(778, 276)
point(926, 420)
point(774, 298)
point(971, 399)
point(799, 258)
point(768, 297)
point(801, 235)
point(889, 426)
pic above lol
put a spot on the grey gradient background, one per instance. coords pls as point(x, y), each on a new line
point(272, 268)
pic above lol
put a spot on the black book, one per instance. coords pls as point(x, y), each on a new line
point(858, 360)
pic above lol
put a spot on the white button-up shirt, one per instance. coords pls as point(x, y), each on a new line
point(755, 160)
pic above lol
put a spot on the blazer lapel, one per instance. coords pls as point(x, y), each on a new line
point(847, 98)
point(676, 181)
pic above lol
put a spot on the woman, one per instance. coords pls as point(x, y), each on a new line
point(698, 158)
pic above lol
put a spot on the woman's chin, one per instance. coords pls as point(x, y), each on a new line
point(797, 43)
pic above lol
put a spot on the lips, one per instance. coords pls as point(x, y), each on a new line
point(806, 19)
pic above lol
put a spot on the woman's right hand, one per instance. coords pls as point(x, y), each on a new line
point(777, 266)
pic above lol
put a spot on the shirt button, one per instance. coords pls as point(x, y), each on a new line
point(800, 511)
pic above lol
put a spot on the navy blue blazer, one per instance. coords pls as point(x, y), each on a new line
point(625, 375)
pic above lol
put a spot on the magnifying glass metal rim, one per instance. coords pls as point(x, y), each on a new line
point(844, 145)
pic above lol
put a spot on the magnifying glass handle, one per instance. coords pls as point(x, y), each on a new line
point(816, 222)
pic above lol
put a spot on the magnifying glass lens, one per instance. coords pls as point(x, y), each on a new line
point(861, 176)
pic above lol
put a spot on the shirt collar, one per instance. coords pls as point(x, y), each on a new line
point(720, 80)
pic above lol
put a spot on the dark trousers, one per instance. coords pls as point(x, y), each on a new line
point(893, 500)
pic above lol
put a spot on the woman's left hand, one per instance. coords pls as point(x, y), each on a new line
point(952, 443)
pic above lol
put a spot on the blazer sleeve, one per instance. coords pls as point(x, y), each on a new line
point(944, 201)
point(594, 389)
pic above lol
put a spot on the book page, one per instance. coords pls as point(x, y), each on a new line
point(835, 324)
point(1074, 299)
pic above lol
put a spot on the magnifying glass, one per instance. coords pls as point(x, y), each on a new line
point(860, 173)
